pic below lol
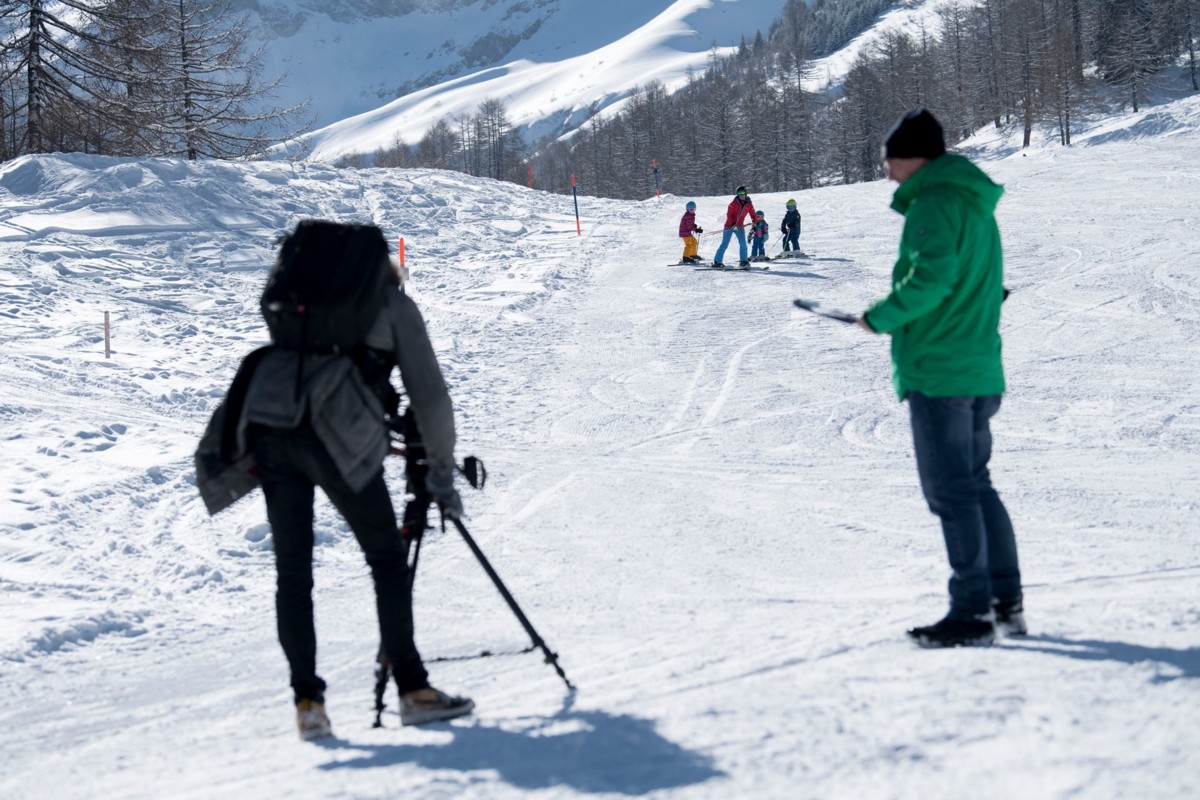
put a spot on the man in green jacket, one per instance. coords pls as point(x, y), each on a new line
point(943, 314)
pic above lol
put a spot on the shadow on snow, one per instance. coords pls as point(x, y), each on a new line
point(783, 273)
point(1187, 662)
point(594, 752)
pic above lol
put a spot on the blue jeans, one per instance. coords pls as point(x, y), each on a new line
point(953, 444)
point(741, 237)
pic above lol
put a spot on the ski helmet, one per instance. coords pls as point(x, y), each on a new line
point(691, 206)
point(758, 214)
point(791, 203)
point(740, 190)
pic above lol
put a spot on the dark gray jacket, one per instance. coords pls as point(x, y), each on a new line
point(791, 222)
point(345, 414)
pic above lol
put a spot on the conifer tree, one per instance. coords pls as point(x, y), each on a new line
point(211, 86)
point(56, 62)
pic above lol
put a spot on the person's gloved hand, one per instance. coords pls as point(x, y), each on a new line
point(441, 486)
point(699, 230)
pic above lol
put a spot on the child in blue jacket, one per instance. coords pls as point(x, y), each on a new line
point(758, 238)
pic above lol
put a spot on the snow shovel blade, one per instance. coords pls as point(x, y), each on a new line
point(811, 305)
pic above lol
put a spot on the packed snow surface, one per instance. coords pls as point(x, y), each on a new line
point(703, 498)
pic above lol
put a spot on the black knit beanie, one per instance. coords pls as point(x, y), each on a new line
point(916, 135)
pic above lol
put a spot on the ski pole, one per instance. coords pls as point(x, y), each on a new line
point(840, 316)
point(551, 657)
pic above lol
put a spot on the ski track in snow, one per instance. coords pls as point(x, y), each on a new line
point(704, 499)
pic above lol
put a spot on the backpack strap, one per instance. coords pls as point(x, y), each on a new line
point(375, 367)
point(236, 398)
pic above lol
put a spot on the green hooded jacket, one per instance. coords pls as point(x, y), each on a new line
point(947, 286)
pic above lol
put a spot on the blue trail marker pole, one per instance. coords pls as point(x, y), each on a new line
point(575, 195)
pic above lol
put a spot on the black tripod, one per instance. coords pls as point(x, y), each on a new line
point(416, 522)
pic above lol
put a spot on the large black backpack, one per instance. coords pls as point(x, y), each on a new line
point(323, 295)
point(327, 286)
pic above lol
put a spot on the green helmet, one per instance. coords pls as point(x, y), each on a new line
point(691, 206)
point(791, 203)
point(740, 190)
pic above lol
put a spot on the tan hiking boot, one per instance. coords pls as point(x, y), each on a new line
point(430, 705)
point(312, 720)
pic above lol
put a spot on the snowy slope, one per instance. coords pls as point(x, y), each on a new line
point(351, 55)
point(915, 18)
point(704, 500)
point(375, 76)
point(587, 61)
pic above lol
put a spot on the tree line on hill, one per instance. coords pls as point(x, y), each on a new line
point(179, 78)
point(487, 144)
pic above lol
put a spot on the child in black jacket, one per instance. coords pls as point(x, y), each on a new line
point(790, 228)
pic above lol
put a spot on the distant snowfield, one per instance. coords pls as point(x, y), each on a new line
point(584, 60)
point(915, 19)
point(349, 56)
point(704, 499)
point(577, 65)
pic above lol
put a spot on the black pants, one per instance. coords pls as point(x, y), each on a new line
point(290, 464)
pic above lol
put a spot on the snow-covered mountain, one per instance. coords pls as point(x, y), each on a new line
point(392, 69)
point(355, 55)
point(704, 499)
point(383, 71)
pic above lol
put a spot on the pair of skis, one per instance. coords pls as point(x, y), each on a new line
point(734, 268)
point(707, 266)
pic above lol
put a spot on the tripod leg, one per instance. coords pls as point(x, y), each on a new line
point(551, 657)
point(382, 673)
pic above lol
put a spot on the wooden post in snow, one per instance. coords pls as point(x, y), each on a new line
point(107, 349)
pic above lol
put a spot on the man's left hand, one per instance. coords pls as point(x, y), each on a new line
point(444, 494)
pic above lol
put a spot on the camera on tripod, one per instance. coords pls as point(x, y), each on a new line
point(416, 470)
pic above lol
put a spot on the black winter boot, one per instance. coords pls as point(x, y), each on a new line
point(955, 633)
point(1010, 617)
